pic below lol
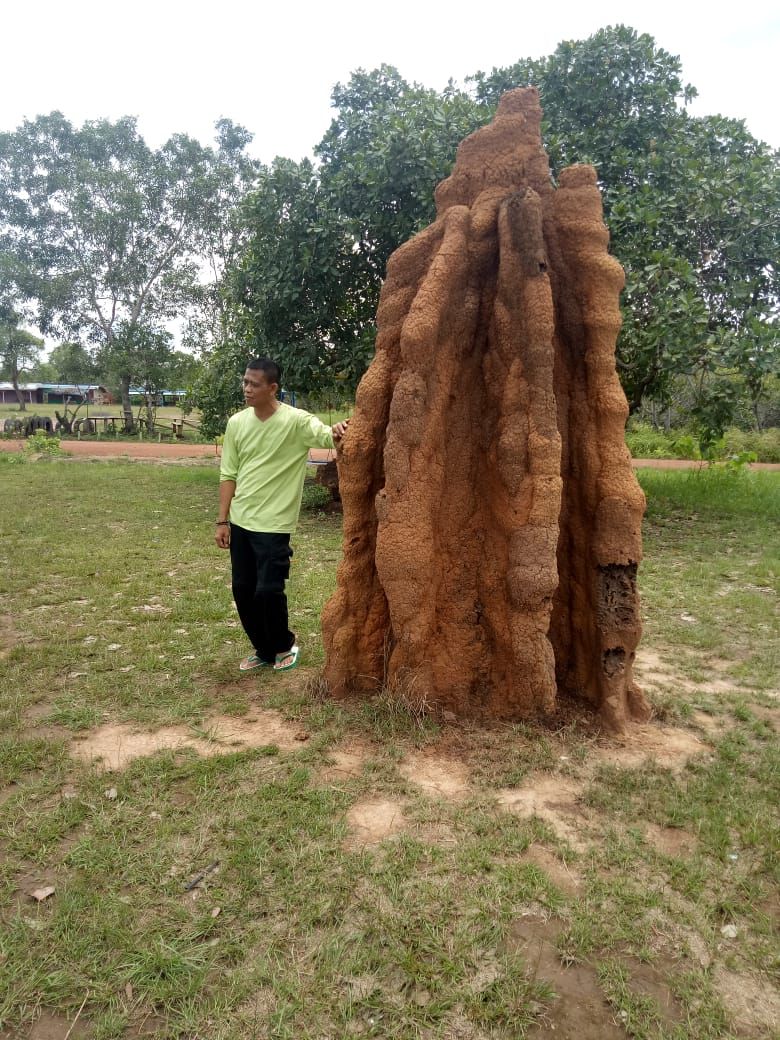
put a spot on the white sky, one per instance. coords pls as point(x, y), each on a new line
point(271, 66)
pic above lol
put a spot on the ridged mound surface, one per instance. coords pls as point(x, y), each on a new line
point(492, 520)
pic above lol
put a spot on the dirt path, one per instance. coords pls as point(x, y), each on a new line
point(146, 450)
point(180, 450)
point(691, 464)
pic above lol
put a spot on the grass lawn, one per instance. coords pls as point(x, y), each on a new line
point(249, 860)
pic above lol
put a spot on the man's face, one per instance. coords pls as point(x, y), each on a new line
point(258, 392)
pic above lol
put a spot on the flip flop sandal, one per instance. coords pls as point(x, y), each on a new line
point(290, 656)
point(249, 664)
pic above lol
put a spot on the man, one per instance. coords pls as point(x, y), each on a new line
point(264, 457)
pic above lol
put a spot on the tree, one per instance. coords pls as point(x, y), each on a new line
point(222, 234)
point(691, 205)
point(387, 148)
point(307, 285)
point(19, 351)
point(608, 100)
point(71, 362)
point(285, 295)
point(101, 231)
point(141, 354)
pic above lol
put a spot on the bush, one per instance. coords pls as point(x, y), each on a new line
point(41, 443)
point(314, 496)
point(646, 442)
point(765, 445)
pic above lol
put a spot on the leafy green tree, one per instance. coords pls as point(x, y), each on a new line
point(43, 372)
point(387, 148)
point(286, 294)
point(608, 100)
point(19, 351)
point(101, 231)
point(71, 362)
point(183, 370)
point(307, 286)
point(222, 234)
point(142, 355)
point(692, 207)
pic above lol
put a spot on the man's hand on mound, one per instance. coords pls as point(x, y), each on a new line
point(339, 429)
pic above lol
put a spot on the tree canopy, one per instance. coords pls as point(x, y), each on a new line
point(104, 240)
point(691, 205)
point(19, 351)
point(103, 236)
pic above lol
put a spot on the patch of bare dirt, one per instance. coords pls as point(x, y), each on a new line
point(435, 834)
point(666, 745)
point(115, 745)
point(712, 725)
point(149, 1026)
point(30, 888)
point(257, 730)
point(687, 942)
point(649, 980)
point(562, 876)
point(553, 798)
point(345, 763)
point(445, 777)
point(653, 669)
point(374, 819)
point(7, 635)
point(579, 1010)
point(770, 715)
point(57, 1027)
point(671, 841)
point(753, 1003)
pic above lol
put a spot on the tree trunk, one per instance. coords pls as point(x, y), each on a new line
point(127, 408)
point(17, 391)
point(150, 412)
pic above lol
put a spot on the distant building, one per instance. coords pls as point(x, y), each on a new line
point(160, 398)
point(55, 393)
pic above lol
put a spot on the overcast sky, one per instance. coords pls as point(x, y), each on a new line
point(180, 66)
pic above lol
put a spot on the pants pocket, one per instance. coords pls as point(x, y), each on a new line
point(275, 572)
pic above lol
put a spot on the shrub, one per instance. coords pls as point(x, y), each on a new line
point(765, 445)
point(40, 443)
point(646, 442)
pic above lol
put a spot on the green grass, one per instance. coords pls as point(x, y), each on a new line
point(117, 609)
point(711, 570)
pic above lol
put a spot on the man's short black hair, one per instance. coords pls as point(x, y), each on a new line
point(273, 373)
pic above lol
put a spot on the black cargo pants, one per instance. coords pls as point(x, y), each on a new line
point(260, 566)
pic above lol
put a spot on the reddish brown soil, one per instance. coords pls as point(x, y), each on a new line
point(145, 450)
point(156, 452)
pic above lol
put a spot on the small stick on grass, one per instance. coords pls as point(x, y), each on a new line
point(75, 1020)
point(200, 877)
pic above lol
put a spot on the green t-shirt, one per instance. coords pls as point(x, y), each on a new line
point(267, 460)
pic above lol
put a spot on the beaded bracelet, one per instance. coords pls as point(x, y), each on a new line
point(221, 523)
